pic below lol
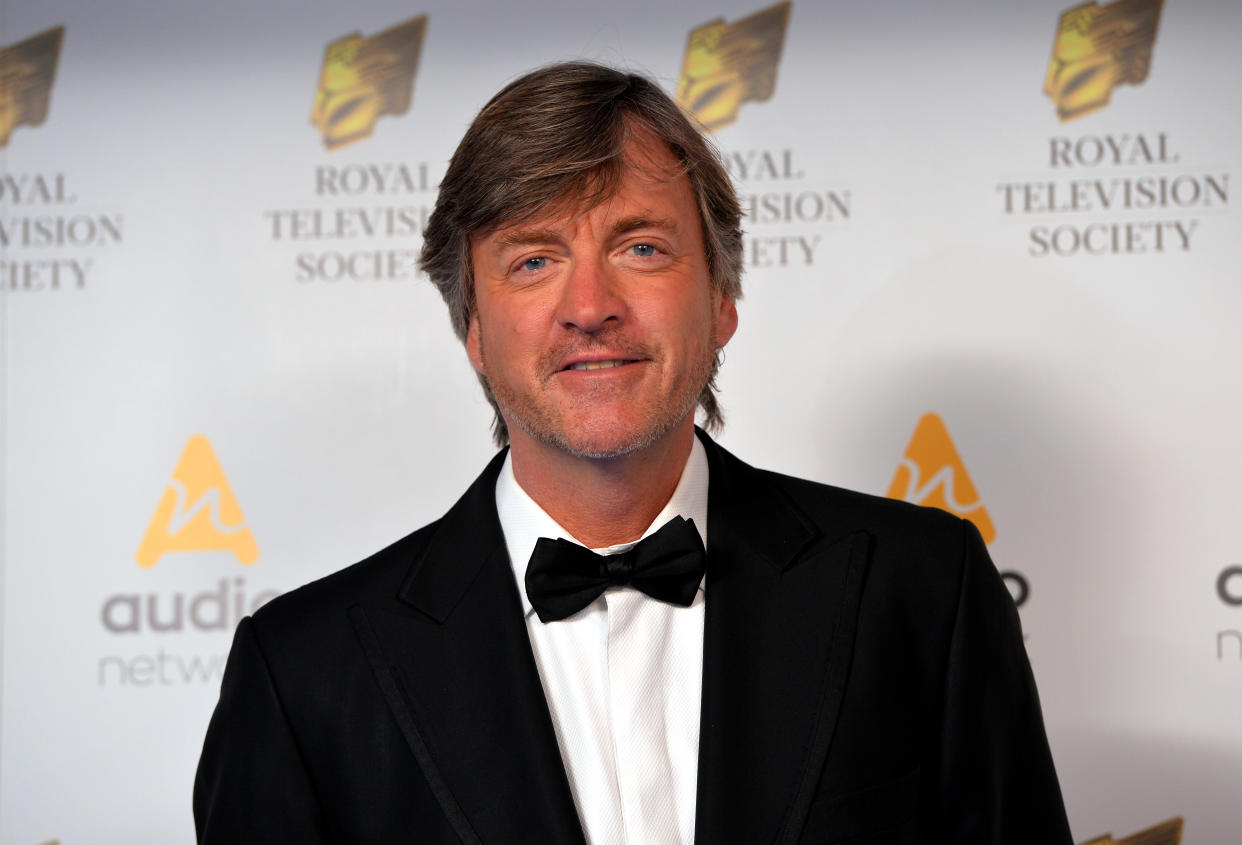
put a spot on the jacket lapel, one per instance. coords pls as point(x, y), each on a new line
point(454, 663)
point(782, 601)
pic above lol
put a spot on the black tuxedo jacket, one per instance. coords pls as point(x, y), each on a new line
point(864, 681)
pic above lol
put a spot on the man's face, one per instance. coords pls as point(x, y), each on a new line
point(597, 329)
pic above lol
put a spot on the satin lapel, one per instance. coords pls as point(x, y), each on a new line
point(782, 602)
point(454, 663)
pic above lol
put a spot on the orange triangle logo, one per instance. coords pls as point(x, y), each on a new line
point(1165, 833)
point(932, 473)
point(198, 512)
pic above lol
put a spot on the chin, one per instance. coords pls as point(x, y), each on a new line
point(591, 439)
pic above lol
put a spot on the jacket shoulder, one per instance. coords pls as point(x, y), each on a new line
point(835, 511)
point(377, 577)
point(914, 551)
point(465, 532)
point(833, 506)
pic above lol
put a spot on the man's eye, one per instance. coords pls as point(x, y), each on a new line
point(532, 264)
point(643, 250)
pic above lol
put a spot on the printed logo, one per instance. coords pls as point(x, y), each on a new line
point(1083, 205)
point(49, 241)
point(932, 473)
point(363, 79)
point(1230, 594)
point(197, 512)
point(1229, 591)
point(1098, 48)
point(729, 64)
point(1165, 833)
point(27, 70)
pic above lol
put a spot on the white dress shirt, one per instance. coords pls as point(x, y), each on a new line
point(623, 679)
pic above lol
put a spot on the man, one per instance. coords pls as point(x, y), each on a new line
point(844, 669)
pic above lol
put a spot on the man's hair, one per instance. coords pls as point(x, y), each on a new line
point(554, 141)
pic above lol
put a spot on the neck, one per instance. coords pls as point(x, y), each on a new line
point(603, 501)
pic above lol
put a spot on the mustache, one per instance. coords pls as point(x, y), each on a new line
point(614, 343)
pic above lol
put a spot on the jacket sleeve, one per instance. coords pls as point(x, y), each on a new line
point(252, 787)
point(996, 778)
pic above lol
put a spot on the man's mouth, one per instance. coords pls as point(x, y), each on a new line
point(598, 365)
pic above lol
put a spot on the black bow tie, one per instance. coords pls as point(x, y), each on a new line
point(564, 577)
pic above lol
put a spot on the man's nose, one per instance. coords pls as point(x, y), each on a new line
point(591, 298)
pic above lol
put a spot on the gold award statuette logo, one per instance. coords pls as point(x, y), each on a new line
point(363, 79)
point(198, 512)
point(27, 70)
point(1098, 48)
point(932, 473)
point(727, 64)
point(1165, 833)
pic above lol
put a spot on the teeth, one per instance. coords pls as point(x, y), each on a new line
point(595, 365)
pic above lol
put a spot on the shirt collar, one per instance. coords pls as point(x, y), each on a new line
point(524, 522)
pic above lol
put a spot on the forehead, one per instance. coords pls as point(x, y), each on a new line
point(644, 178)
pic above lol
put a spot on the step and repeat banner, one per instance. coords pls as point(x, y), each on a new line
point(992, 261)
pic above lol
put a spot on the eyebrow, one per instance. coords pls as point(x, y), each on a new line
point(530, 237)
point(631, 224)
point(527, 237)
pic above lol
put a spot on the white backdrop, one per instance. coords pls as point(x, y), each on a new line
point(1091, 395)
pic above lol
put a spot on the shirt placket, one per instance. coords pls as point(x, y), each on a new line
point(637, 642)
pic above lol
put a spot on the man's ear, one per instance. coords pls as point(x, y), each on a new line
point(474, 346)
point(726, 319)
